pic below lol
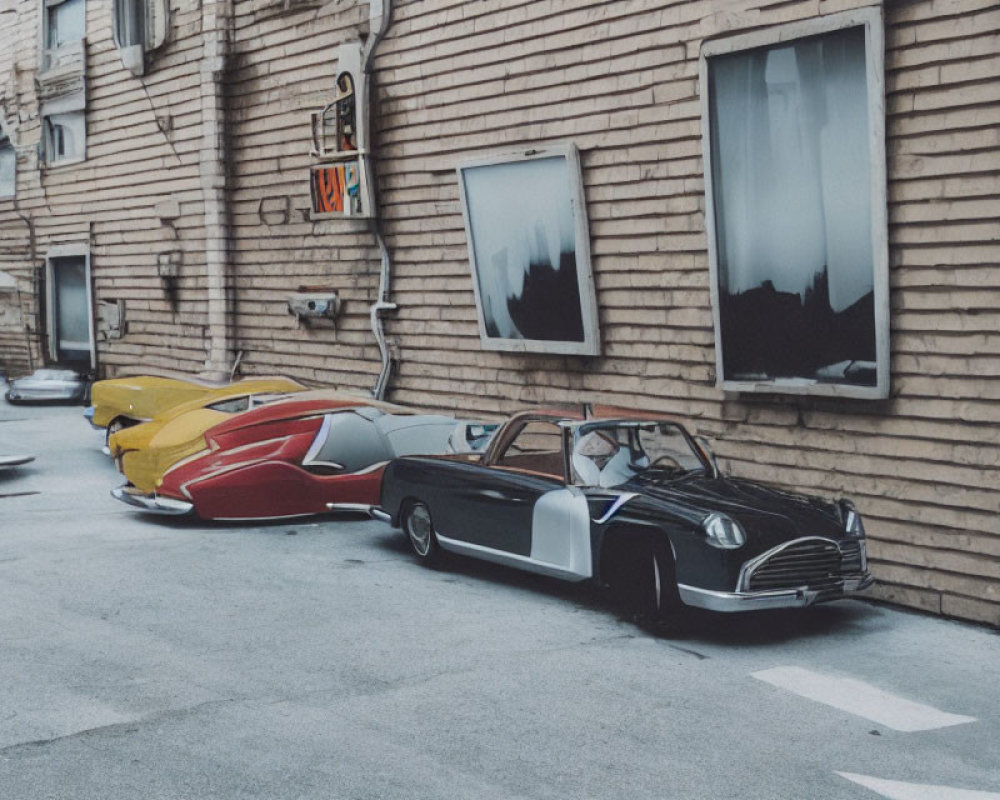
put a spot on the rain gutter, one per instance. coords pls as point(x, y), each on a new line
point(216, 20)
point(380, 16)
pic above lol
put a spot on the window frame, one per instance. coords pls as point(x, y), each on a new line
point(870, 19)
point(590, 345)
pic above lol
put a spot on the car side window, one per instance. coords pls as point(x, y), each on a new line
point(537, 447)
point(232, 405)
point(347, 442)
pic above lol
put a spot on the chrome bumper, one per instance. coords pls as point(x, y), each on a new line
point(151, 502)
point(779, 598)
point(88, 414)
point(361, 508)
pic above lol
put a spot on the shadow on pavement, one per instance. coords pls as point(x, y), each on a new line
point(755, 628)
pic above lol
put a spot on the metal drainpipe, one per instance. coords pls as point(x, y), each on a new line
point(380, 10)
point(216, 20)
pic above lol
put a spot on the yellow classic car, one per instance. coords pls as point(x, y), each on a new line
point(144, 452)
point(121, 402)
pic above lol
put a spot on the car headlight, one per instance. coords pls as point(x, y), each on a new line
point(724, 532)
point(853, 526)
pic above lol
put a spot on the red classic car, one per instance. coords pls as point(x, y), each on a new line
point(303, 455)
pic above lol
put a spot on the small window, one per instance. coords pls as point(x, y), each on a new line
point(795, 182)
point(65, 22)
point(65, 137)
point(130, 22)
point(64, 25)
point(8, 168)
point(537, 447)
point(140, 27)
point(347, 442)
point(232, 405)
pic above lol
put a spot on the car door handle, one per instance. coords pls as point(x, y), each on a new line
point(495, 496)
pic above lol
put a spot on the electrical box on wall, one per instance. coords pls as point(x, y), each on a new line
point(308, 304)
point(338, 183)
point(111, 318)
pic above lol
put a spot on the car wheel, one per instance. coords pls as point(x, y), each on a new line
point(419, 528)
point(118, 424)
point(645, 587)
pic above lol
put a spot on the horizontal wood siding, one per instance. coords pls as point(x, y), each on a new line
point(143, 139)
point(621, 81)
point(286, 68)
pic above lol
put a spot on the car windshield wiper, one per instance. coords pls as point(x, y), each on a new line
point(658, 472)
point(663, 473)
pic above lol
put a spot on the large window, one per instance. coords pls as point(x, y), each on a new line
point(526, 224)
point(796, 214)
point(8, 168)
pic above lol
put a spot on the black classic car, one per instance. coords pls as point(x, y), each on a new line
point(634, 503)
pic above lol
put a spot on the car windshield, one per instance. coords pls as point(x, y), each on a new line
point(612, 453)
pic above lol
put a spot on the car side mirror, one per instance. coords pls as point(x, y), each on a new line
point(707, 450)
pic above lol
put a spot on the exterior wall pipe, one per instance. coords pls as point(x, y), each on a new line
point(216, 20)
point(380, 15)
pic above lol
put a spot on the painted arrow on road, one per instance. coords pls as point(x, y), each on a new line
point(861, 699)
point(897, 790)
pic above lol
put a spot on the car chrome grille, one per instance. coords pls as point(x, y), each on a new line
point(814, 563)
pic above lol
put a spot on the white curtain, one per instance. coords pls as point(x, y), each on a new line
point(520, 213)
point(791, 167)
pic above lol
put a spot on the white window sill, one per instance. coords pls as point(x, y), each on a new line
point(65, 162)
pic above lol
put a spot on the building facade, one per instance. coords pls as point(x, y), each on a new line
point(777, 221)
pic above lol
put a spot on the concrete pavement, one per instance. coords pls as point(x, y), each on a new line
point(143, 657)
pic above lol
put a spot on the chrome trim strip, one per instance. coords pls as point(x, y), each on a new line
point(362, 508)
point(779, 598)
point(15, 461)
point(152, 503)
point(614, 508)
point(379, 514)
point(319, 441)
point(507, 559)
point(748, 568)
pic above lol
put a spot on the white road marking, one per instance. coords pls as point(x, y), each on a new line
point(856, 697)
point(897, 790)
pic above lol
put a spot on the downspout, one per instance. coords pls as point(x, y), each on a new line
point(216, 20)
point(379, 15)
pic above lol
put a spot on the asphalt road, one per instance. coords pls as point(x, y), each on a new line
point(142, 658)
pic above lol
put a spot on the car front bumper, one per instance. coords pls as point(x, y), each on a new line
point(778, 598)
point(153, 503)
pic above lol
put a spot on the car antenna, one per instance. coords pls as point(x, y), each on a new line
point(588, 410)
